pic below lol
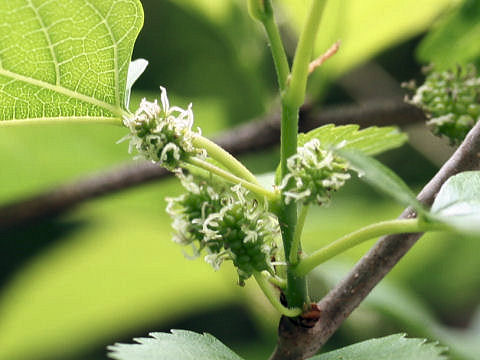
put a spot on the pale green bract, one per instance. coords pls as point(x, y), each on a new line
point(179, 345)
point(66, 60)
point(393, 347)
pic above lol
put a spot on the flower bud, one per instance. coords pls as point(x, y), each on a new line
point(227, 223)
point(162, 134)
point(247, 231)
point(451, 100)
point(313, 174)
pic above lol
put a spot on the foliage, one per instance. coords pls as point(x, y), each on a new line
point(244, 205)
point(393, 346)
point(180, 344)
point(184, 345)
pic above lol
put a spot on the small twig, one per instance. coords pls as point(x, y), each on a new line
point(324, 57)
point(296, 342)
point(253, 136)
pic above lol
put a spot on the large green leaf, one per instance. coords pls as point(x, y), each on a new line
point(396, 347)
point(381, 177)
point(455, 40)
point(458, 202)
point(370, 141)
point(66, 60)
point(179, 345)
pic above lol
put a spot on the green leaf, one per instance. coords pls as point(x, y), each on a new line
point(370, 141)
point(458, 202)
point(66, 60)
point(455, 40)
point(396, 347)
point(381, 177)
point(179, 345)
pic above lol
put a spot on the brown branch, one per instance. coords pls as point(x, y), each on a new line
point(252, 136)
point(297, 342)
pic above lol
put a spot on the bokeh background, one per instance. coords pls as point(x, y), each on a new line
point(107, 271)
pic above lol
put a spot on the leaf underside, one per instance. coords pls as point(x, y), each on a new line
point(64, 60)
point(371, 141)
point(458, 202)
point(393, 347)
point(179, 345)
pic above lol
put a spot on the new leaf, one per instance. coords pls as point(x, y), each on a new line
point(179, 345)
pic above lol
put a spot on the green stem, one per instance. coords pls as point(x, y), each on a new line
point(294, 251)
point(296, 291)
point(276, 46)
point(225, 158)
point(292, 99)
point(256, 189)
point(295, 94)
point(272, 296)
point(355, 238)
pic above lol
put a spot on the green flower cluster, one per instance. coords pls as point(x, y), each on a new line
point(228, 223)
point(313, 174)
point(162, 134)
point(451, 100)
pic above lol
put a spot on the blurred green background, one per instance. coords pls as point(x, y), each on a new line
point(107, 271)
